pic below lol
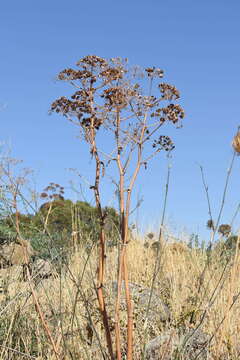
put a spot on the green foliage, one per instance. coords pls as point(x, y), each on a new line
point(26, 224)
point(64, 215)
point(193, 241)
point(7, 233)
point(56, 215)
point(50, 229)
point(231, 243)
point(227, 248)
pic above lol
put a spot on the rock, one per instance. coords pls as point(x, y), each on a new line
point(10, 277)
point(134, 288)
point(159, 311)
point(16, 253)
point(159, 347)
point(14, 289)
point(198, 342)
point(42, 269)
point(189, 344)
point(174, 248)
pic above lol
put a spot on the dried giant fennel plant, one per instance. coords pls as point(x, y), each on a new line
point(128, 106)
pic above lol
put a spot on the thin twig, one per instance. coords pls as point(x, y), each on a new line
point(159, 254)
point(207, 193)
point(18, 352)
point(229, 171)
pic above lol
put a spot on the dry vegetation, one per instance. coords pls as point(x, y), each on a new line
point(69, 304)
point(120, 296)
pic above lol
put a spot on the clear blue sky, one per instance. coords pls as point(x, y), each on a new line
point(197, 45)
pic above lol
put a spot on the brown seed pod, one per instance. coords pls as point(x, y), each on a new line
point(236, 142)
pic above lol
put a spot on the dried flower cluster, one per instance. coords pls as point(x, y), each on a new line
point(172, 113)
point(106, 88)
point(71, 74)
point(163, 142)
point(113, 73)
point(169, 92)
point(224, 229)
point(236, 142)
point(53, 192)
point(118, 97)
point(210, 224)
point(154, 72)
point(150, 235)
point(92, 61)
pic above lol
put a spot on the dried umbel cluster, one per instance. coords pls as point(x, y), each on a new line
point(169, 92)
point(236, 142)
point(163, 143)
point(117, 97)
point(171, 113)
point(210, 224)
point(53, 192)
point(108, 90)
point(225, 230)
point(154, 72)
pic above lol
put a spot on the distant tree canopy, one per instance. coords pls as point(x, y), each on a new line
point(58, 216)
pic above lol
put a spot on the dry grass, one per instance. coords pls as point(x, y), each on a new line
point(69, 303)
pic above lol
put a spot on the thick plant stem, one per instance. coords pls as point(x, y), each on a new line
point(101, 300)
point(123, 268)
point(122, 232)
point(119, 285)
point(123, 275)
point(129, 311)
point(101, 262)
point(117, 306)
